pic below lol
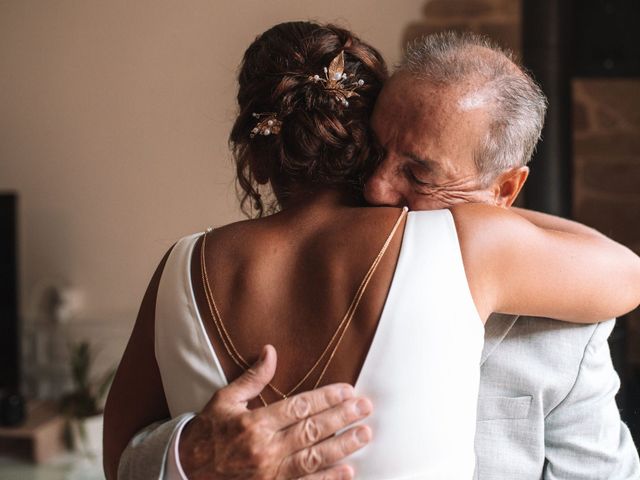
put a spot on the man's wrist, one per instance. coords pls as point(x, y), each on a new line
point(195, 449)
point(174, 468)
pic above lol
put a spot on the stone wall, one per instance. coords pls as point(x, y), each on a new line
point(606, 141)
point(497, 19)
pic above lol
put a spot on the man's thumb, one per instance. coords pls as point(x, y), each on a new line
point(248, 385)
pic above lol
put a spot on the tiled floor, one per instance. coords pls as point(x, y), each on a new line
point(63, 467)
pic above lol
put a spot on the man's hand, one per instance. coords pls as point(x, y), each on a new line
point(292, 438)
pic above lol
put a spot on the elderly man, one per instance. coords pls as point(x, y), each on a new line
point(458, 122)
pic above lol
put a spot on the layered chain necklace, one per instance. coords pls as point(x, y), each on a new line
point(333, 344)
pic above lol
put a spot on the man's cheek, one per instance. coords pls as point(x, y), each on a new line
point(480, 196)
point(439, 198)
point(431, 202)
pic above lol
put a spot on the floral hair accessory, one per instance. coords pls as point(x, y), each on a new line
point(268, 124)
point(335, 81)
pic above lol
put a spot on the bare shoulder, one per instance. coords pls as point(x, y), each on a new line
point(232, 229)
point(488, 236)
point(368, 226)
point(235, 237)
point(484, 230)
point(274, 225)
point(376, 216)
point(296, 231)
point(474, 214)
point(488, 226)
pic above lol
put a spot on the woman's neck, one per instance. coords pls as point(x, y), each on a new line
point(319, 198)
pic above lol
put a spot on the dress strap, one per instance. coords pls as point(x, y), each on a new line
point(336, 338)
point(346, 321)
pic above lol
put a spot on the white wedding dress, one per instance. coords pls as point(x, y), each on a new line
point(421, 371)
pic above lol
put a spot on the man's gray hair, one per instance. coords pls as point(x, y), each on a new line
point(515, 102)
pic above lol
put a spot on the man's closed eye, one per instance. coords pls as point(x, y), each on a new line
point(413, 177)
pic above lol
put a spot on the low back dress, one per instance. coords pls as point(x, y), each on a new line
point(421, 371)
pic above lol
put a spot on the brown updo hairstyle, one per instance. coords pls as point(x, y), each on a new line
point(322, 143)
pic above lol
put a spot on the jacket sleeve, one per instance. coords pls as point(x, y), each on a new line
point(584, 435)
point(146, 455)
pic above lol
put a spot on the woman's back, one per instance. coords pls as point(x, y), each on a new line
point(291, 287)
point(288, 280)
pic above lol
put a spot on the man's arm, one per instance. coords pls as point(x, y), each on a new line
point(584, 436)
point(145, 458)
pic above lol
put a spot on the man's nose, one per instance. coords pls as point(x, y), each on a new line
point(380, 189)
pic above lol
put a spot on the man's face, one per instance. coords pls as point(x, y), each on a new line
point(428, 134)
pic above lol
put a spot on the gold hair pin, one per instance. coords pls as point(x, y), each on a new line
point(268, 124)
point(335, 80)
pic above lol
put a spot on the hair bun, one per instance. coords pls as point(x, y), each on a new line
point(320, 83)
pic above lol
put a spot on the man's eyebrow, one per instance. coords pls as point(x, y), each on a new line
point(424, 162)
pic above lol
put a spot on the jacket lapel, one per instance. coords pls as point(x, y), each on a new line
point(496, 328)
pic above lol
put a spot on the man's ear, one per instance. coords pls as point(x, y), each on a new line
point(508, 185)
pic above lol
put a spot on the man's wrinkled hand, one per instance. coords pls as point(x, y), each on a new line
point(292, 438)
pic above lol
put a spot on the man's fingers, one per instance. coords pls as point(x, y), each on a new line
point(314, 459)
point(340, 472)
point(248, 385)
point(287, 412)
point(315, 428)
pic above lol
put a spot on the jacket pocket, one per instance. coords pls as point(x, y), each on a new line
point(504, 408)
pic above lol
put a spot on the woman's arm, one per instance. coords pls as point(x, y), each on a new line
point(551, 222)
point(136, 398)
point(553, 268)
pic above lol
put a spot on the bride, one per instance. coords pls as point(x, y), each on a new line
point(390, 301)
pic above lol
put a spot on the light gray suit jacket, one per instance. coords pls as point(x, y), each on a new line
point(547, 403)
point(546, 408)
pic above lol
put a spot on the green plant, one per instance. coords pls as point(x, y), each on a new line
point(85, 398)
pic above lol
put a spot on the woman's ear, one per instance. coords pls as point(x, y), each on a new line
point(508, 185)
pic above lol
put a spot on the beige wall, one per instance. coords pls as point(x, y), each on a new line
point(114, 123)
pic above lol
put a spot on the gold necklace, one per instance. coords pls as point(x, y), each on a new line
point(242, 363)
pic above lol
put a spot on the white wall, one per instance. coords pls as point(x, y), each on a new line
point(114, 118)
